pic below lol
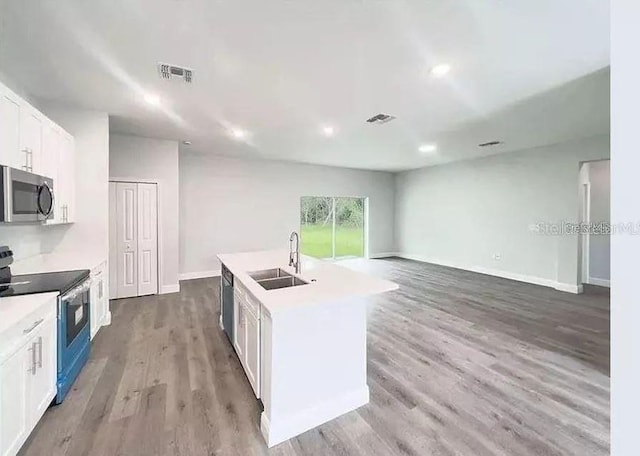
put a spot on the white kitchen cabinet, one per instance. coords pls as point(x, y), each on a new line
point(50, 152)
point(239, 335)
point(30, 141)
point(42, 375)
point(246, 336)
point(31, 122)
point(99, 301)
point(28, 366)
point(10, 153)
point(252, 350)
point(14, 411)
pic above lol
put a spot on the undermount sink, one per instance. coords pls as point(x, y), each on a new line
point(273, 279)
point(281, 282)
point(268, 274)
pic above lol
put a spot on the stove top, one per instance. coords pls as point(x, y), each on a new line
point(41, 283)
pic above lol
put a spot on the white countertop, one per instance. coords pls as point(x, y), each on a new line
point(15, 308)
point(332, 282)
point(59, 261)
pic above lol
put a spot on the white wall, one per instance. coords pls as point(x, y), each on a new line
point(134, 157)
point(90, 230)
point(463, 213)
point(599, 244)
point(233, 205)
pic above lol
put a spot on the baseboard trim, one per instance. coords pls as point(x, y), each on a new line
point(560, 286)
point(382, 255)
point(600, 282)
point(167, 289)
point(199, 274)
point(290, 426)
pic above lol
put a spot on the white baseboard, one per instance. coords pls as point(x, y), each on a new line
point(199, 274)
point(166, 289)
point(383, 254)
point(600, 282)
point(567, 287)
point(292, 425)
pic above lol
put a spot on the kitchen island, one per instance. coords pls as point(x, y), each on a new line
point(301, 337)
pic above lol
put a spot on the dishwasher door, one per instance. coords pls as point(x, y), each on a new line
point(227, 302)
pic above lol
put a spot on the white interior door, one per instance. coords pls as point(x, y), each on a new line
point(127, 239)
point(147, 239)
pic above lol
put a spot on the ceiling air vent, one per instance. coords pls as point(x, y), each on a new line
point(490, 143)
point(172, 72)
point(380, 119)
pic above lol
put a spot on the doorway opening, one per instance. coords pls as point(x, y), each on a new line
point(594, 251)
point(333, 227)
point(133, 239)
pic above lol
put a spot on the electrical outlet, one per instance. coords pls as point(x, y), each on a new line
point(497, 256)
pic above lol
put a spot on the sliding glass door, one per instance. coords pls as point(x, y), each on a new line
point(332, 227)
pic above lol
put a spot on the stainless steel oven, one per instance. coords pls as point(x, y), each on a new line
point(25, 197)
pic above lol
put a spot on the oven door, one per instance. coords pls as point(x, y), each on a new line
point(73, 314)
point(27, 197)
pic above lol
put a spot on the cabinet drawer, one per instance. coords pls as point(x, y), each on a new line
point(252, 305)
point(17, 335)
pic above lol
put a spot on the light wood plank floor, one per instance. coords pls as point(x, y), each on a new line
point(459, 364)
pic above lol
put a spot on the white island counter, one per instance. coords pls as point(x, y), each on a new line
point(311, 340)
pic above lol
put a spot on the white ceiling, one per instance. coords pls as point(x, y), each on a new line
point(523, 71)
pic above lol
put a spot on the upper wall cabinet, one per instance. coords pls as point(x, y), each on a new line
point(31, 142)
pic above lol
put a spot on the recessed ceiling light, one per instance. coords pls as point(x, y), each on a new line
point(440, 70)
point(238, 133)
point(153, 100)
point(427, 148)
point(186, 143)
point(328, 131)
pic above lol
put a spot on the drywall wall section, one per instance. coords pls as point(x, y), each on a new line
point(234, 205)
point(147, 159)
point(497, 214)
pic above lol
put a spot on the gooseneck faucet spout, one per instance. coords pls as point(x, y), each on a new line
point(294, 256)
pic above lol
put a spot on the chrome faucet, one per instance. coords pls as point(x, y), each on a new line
point(294, 262)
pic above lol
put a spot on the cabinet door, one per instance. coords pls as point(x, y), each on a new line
point(65, 184)
point(10, 153)
point(68, 146)
point(50, 155)
point(42, 385)
point(252, 351)
point(14, 409)
point(98, 308)
point(31, 138)
point(239, 336)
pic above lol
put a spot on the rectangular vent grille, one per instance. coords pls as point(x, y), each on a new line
point(171, 71)
point(490, 143)
point(380, 119)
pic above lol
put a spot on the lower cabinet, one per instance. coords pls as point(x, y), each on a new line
point(246, 338)
point(27, 381)
point(252, 351)
point(99, 299)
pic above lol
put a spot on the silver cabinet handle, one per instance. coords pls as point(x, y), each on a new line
point(40, 351)
point(32, 327)
point(32, 349)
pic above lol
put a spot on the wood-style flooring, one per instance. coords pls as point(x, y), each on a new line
point(459, 364)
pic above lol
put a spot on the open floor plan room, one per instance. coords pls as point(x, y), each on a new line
point(452, 369)
point(308, 228)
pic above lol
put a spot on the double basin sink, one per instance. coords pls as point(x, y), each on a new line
point(276, 278)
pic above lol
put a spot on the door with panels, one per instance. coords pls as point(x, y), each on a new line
point(134, 243)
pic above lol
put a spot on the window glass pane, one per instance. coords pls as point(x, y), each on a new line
point(316, 226)
point(349, 227)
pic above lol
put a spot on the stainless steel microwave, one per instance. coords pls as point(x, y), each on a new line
point(25, 197)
